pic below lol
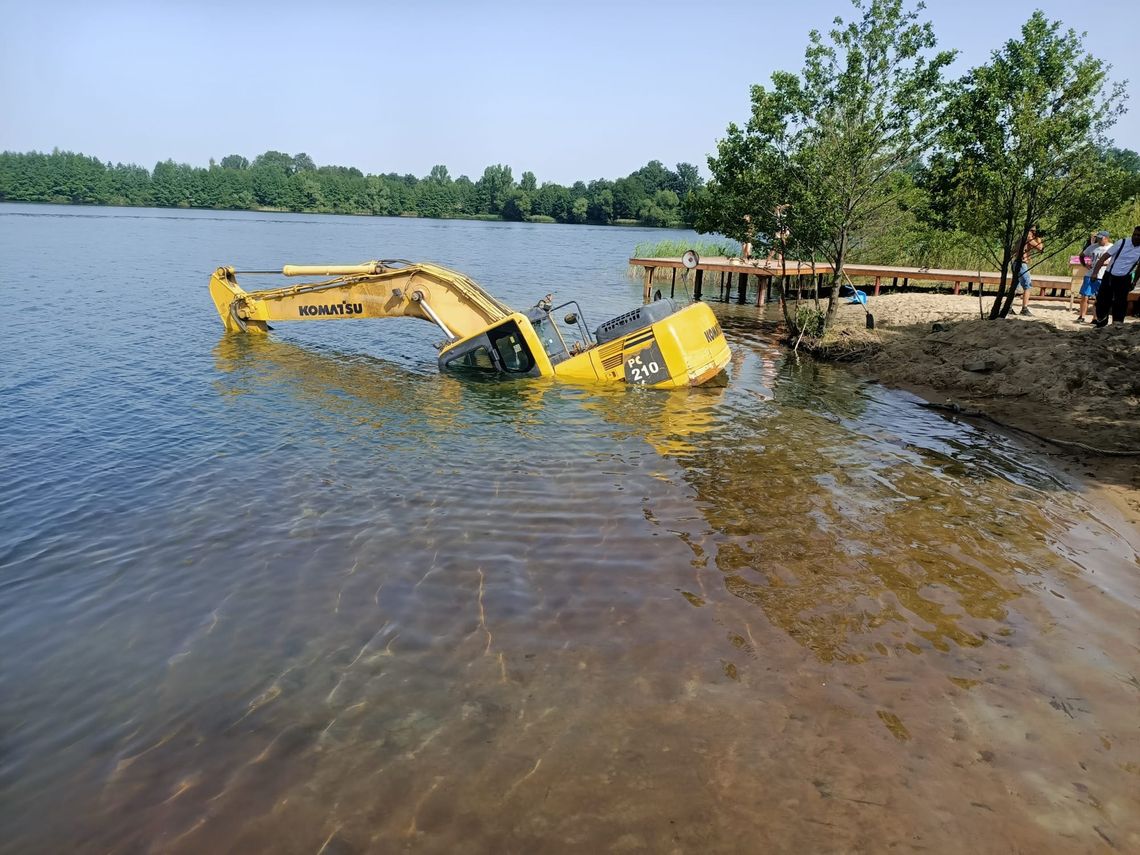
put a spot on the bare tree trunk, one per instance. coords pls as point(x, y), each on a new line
point(995, 309)
point(784, 290)
point(837, 275)
point(1007, 239)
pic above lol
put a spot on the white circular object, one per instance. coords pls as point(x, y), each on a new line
point(690, 259)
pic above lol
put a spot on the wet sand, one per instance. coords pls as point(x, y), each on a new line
point(1042, 373)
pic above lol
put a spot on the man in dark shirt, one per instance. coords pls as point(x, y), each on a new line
point(1121, 259)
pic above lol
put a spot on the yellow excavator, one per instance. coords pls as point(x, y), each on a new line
point(659, 344)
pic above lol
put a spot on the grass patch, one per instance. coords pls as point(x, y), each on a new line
point(677, 248)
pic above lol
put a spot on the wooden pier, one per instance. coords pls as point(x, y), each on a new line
point(801, 273)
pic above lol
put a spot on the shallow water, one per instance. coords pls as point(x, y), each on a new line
point(304, 593)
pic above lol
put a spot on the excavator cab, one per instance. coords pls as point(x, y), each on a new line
point(559, 345)
point(502, 349)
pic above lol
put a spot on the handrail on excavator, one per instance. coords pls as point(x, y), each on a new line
point(368, 268)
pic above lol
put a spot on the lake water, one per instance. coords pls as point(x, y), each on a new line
point(305, 594)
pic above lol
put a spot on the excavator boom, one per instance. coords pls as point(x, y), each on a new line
point(376, 289)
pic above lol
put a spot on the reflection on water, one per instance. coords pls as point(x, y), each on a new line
point(306, 594)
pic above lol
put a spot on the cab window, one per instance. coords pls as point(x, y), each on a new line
point(514, 355)
point(478, 359)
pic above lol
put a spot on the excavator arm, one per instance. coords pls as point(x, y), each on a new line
point(375, 289)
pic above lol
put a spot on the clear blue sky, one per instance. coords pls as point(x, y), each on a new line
point(568, 90)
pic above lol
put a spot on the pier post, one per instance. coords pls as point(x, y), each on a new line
point(697, 283)
point(957, 287)
point(648, 294)
point(762, 283)
point(878, 284)
point(742, 289)
point(673, 284)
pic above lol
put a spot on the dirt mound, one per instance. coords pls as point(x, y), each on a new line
point(1080, 383)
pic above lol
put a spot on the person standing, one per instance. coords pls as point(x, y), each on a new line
point(1098, 246)
point(1120, 261)
point(781, 237)
point(1033, 243)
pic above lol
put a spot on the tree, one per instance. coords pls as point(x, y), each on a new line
point(435, 195)
point(491, 190)
point(686, 180)
point(552, 200)
point(275, 160)
point(528, 183)
point(234, 161)
point(580, 210)
point(1024, 144)
point(826, 142)
point(654, 176)
point(629, 194)
point(517, 205)
point(303, 163)
point(662, 210)
point(601, 207)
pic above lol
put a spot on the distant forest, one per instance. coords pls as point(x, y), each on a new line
point(653, 195)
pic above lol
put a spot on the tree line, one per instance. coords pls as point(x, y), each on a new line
point(653, 195)
point(871, 152)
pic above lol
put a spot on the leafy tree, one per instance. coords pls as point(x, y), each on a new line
point(491, 190)
point(686, 180)
point(601, 208)
point(517, 205)
point(435, 195)
point(628, 195)
point(553, 200)
point(169, 185)
point(528, 182)
point(662, 210)
point(274, 160)
point(654, 176)
point(270, 184)
point(234, 161)
point(1024, 144)
point(580, 210)
point(303, 163)
point(305, 193)
point(465, 195)
point(826, 142)
point(1126, 159)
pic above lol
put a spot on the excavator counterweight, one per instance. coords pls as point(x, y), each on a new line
point(660, 344)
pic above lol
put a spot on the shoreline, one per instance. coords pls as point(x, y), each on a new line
point(1120, 501)
point(1044, 374)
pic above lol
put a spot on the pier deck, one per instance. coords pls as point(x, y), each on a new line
point(871, 275)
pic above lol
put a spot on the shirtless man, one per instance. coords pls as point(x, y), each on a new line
point(1033, 244)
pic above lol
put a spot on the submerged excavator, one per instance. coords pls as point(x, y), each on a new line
point(660, 344)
